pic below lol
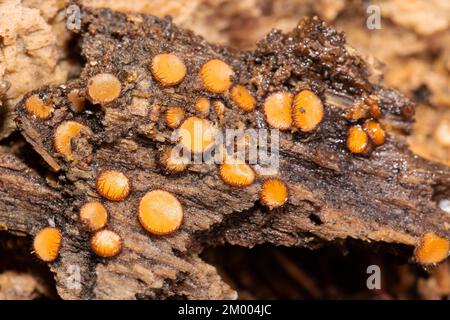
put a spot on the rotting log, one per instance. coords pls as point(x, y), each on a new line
point(387, 196)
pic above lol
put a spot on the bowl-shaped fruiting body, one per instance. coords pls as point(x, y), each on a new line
point(106, 243)
point(173, 162)
point(216, 76)
point(308, 111)
point(237, 174)
point(197, 135)
point(202, 106)
point(274, 193)
point(375, 132)
point(278, 110)
point(93, 215)
point(168, 69)
point(77, 101)
point(432, 249)
point(35, 107)
point(160, 212)
point(113, 185)
point(104, 88)
point(243, 98)
point(174, 117)
point(357, 140)
point(47, 243)
point(64, 134)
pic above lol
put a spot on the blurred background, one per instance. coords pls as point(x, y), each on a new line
point(410, 51)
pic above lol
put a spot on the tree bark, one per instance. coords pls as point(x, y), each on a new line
point(387, 196)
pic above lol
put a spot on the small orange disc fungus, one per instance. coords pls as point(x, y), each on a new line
point(104, 87)
point(237, 174)
point(432, 249)
point(106, 243)
point(47, 243)
point(168, 69)
point(307, 111)
point(113, 185)
point(375, 132)
point(37, 108)
point(357, 140)
point(160, 212)
point(93, 215)
point(278, 110)
point(197, 134)
point(64, 134)
point(274, 193)
point(77, 101)
point(243, 98)
point(174, 117)
point(216, 76)
point(172, 162)
point(202, 105)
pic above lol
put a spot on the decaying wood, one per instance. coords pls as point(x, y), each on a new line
point(388, 196)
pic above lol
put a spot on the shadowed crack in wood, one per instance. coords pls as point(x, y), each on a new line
point(385, 196)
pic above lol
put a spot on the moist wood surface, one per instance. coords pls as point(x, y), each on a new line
point(387, 196)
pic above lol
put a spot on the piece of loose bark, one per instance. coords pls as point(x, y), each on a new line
point(387, 196)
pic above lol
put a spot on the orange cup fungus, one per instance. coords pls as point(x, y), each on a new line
point(274, 193)
point(308, 111)
point(202, 106)
point(104, 88)
point(197, 134)
point(375, 132)
point(64, 134)
point(47, 243)
point(160, 212)
point(237, 174)
point(357, 140)
point(35, 107)
point(77, 101)
point(432, 249)
point(174, 117)
point(216, 76)
point(172, 162)
point(278, 110)
point(113, 185)
point(106, 243)
point(93, 215)
point(168, 69)
point(243, 98)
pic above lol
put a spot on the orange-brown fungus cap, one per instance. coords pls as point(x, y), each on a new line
point(172, 162)
point(432, 249)
point(104, 87)
point(375, 131)
point(278, 110)
point(215, 75)
point(237, 174)
point(37, 108)
point(106, 243)
point(160, 212)
point(113, 185)
point(64, 134)
point(197, 134)
point(243, 98)
point(94, 215)
point(357, 140)
point(77, 101)
point(308, 111)
point(202, 105)
point(174, 116)
point(274, 193)
point(46, 244)
point(168, 69)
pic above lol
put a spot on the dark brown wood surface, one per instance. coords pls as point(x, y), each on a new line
point(388, 196)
